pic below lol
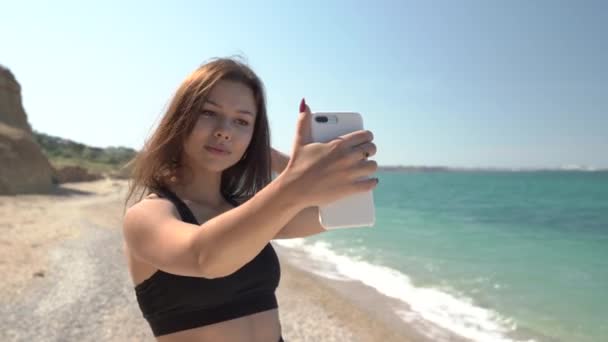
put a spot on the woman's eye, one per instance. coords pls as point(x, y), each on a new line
point(242, 122)
point(207, 113)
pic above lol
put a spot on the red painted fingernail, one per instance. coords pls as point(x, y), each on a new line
point(302, 105)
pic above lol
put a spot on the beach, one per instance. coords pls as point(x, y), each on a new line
point(65, 278)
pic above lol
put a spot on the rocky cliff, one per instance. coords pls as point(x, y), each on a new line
point(23, 166)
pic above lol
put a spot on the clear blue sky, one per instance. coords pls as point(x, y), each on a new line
point(456, 83)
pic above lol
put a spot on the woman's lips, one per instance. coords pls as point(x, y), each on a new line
point(216, 151)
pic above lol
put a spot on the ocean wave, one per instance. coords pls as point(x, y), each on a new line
point(456, 313)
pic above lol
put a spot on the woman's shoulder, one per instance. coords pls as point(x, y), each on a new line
point(152, 195)
point(151, 205)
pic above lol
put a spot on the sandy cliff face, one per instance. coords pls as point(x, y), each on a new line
point(23, 166)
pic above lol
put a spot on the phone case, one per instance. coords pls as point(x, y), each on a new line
point(353, 211)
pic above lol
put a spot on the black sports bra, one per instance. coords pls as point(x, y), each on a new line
point(172, 303)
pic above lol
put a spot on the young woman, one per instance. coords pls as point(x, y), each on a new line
point(206, 208)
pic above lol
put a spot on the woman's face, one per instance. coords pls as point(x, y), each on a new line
point(223, 129)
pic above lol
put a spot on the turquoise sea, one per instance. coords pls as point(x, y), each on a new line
point(491, 256)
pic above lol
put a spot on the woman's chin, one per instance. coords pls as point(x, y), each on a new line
point(217, 167)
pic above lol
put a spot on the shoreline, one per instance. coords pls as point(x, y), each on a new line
point(367, 314)
point(390, 316)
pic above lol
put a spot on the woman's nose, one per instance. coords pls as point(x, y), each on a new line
point(222, 132)
point(221, 135)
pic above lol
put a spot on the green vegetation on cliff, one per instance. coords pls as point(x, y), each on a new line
point(63, 152)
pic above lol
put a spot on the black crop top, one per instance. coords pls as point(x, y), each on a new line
point(172, 303)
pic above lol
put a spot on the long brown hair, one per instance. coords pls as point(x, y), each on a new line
point(156, 164)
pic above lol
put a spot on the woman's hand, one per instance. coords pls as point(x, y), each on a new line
point(320, 173)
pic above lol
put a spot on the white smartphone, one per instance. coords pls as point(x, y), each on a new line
point(356, 210)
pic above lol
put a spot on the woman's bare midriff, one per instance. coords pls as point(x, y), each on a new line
point(259, 327)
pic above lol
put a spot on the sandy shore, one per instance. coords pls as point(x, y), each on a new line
point(61, 256)
point(32, 224)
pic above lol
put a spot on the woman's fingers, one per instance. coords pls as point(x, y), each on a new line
point(303, 129)
point(353, 139)
point(363, 168)
point(365, 185)
point(363, 151)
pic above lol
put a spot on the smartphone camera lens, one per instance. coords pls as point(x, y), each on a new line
point(321, 119)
